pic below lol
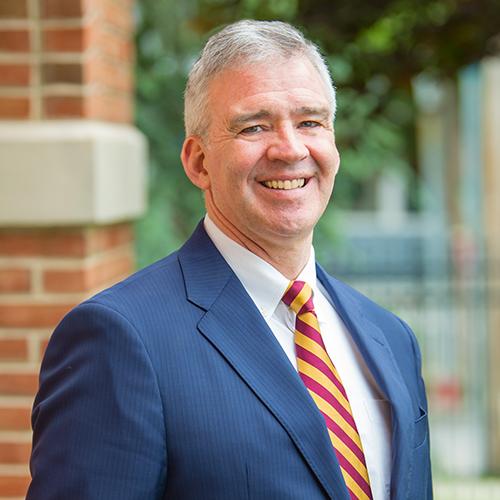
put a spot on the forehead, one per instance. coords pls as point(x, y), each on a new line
point(293, 83)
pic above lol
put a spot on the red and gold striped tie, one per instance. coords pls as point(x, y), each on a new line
point(323, 383)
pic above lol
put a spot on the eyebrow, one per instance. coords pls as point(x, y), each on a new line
point(322, 112)
point(240, 120)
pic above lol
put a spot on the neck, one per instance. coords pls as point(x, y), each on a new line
point(288, 255)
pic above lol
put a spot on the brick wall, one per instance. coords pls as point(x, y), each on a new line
point(66, 59)
point(60, 60)
point(43, 274)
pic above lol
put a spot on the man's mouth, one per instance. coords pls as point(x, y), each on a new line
point(288, 184)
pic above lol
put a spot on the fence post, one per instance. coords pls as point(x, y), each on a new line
point(491, 214)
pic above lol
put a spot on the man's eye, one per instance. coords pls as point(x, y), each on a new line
point(310, 124)
point(252, 130)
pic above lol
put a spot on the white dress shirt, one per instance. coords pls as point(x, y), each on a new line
point(266, 286)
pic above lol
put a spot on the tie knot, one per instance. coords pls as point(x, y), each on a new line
point(298, 297)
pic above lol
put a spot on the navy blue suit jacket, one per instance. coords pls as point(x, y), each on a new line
point(170, 385)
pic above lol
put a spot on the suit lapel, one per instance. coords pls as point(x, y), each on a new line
point(379, 358)
point(235, 327)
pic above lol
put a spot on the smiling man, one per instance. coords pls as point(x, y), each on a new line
point(236, 368)
point(267, 159)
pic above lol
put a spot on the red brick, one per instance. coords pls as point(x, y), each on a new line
point(48, 243)
point(15, 74)
point(118, 15)
point(63, 107)
point(14, 40)
point(43, 347)
point(13, 9)
point(61, 8)
point(113, 45)
point(14, 486)
point(107, 237)
point(112, 269)
point(14, 107)
point(18, 384)
point(93, 7)
point(15, 419)
point(62, 73)
point(14, 280)
point(86, 279)
point(67, 281)
point(127, 4)
point(32, 315)
point(64, 242)
point(64, 39)
point(13, 349)
point(113, 75)
point(112, 107)
point(14, 453)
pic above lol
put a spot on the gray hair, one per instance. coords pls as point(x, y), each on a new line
point(243, 42)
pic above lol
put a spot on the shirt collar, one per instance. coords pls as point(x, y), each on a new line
point(265, 284)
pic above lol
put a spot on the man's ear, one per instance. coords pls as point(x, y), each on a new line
point(193, 160)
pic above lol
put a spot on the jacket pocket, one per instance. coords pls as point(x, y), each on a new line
point(421, 429)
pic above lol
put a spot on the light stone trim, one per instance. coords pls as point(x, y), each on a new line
point(70, 172)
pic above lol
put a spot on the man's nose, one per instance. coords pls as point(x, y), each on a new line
point(287, 146)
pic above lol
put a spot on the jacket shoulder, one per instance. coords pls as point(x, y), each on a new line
point(146, 285)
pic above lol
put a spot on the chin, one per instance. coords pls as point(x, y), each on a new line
point(291, 229)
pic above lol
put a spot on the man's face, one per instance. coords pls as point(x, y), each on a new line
point(269, 156)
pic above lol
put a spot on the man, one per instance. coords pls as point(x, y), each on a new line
point(214, 373)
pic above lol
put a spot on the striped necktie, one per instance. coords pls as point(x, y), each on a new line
point(323, 383)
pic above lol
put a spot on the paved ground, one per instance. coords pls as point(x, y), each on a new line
point(485, 489)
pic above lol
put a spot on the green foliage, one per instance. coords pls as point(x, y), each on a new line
point(374, 50)
point(164, 54)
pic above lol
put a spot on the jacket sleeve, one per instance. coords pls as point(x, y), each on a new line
point(422, 453)
point(99, 428)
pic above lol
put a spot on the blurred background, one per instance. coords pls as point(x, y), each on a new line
point(413, 222)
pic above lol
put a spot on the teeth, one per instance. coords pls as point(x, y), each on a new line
point(294, 184)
